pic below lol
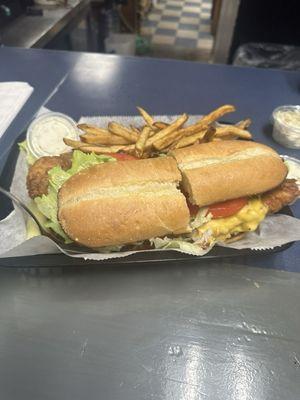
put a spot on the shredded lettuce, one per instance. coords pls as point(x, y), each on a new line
point(110, 249)
point(47, 204)
point(184, 244)
point(30, 158)
point(201, 218)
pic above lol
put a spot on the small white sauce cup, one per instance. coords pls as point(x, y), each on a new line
point(50, 142)
point(285, 133)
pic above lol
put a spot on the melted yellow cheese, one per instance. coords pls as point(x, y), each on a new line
point(247, 219)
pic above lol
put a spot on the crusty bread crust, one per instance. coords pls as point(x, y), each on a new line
point(223, 148)
point(122, 173)
point(228, 170)
point(123, 202)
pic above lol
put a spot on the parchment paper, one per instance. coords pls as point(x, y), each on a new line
point(275, 230)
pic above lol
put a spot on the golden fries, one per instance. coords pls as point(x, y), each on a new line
point(91, 129)
point(216, 114)
point(134, 129)
point(160, 125)
point(244, 124)
point(122, 131)
point(75, 144)
point(154, 137)
point(152, 133)
point(209, 135)
point(106, 139)
point(232, 130)
point(168, 130)
point(99, 136)
point(141, 142)
point(192, 139)
point(148, 119)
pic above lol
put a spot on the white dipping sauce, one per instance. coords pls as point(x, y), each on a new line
point(46, 133)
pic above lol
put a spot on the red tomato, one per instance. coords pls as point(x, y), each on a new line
point(193, 209)
point(227, 208)
point(122, 156)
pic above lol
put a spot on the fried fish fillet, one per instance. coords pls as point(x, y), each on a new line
point(37, 178)
point(281, 196)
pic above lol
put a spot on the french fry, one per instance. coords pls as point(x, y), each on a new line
point(75, 144)
point(160, 125)
point(226, 137)
point(140, 144)
point(101, 139)
point(105, 150)
point(134, 129)
point(232, 130)
point(167, 131)
point(152, 133)
point(147, 117)
point(122, 131)
point(167, 141)
point(158, 136)
point(209, 135)
point(216, 114)
point(177, 135)
point(190, 140)
point(244, 124)
point(91, 129)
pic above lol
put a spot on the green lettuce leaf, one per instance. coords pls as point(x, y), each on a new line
point(110, 249)
point(180, 243)
point(47, 204)
point(30, 158)
point(201, 218)
point(57, 177)
point(82, 160)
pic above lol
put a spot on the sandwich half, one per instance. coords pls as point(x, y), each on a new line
point(231, 186)
point(123, 202)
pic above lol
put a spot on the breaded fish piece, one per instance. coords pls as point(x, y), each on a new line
point(281, 196)
point(37, 178)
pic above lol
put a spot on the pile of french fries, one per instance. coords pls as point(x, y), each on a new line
point(155, 137)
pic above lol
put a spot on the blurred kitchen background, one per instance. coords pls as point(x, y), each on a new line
point(241, 32)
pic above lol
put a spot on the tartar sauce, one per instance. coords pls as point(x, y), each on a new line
point(45, 134)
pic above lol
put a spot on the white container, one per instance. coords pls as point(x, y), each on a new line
point(45, 134)
point(286, 129)
point(120, 43)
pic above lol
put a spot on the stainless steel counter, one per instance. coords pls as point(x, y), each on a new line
point(37, 31)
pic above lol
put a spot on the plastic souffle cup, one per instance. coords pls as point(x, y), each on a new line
point(286, 128)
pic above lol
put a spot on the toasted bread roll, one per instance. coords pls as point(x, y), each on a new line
point(123, 202)
point(225, 170)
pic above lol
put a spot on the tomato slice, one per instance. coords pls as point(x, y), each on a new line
point(193, 209)
point(122, 156)
point(227, 208)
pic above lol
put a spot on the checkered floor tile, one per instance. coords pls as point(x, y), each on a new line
point(179, 23)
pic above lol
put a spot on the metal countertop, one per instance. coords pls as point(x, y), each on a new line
point(37, 31)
